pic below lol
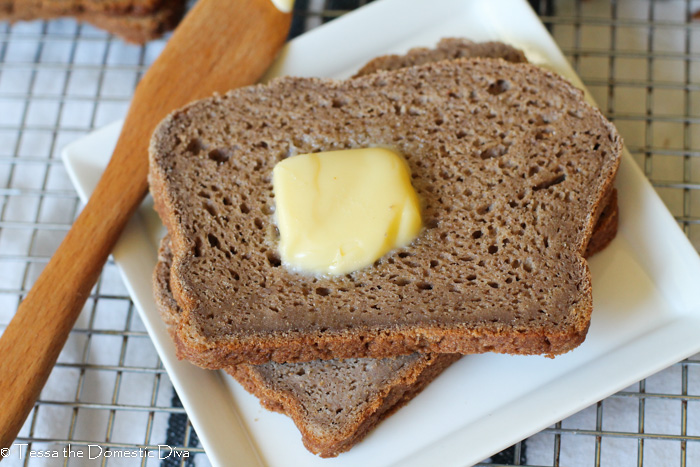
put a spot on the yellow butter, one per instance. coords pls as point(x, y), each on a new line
point(340, 211)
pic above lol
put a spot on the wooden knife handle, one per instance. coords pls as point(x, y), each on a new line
point(221, 44)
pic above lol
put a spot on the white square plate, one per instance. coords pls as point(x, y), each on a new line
point(646, 299)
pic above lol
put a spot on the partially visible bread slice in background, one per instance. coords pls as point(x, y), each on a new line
point(448, 48)
point(27, 9)
point(512, 165)
point(135, 21)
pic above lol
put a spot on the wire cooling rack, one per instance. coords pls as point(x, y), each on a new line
point(60, 80)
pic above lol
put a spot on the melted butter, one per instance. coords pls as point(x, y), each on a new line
point(340, 211)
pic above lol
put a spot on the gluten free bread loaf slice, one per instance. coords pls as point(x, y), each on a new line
point(513, 169)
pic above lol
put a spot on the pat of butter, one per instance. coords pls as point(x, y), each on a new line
point(340, 211)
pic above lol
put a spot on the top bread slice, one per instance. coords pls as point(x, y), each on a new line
point(512, 166)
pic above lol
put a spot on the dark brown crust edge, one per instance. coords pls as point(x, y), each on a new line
point(606, 226)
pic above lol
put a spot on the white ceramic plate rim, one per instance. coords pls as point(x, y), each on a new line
point(650, 249)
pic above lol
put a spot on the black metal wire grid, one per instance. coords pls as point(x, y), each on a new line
point(59, 80)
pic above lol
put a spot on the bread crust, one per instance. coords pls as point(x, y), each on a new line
point(367, 341)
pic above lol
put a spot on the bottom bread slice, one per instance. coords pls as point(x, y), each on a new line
point(334, 403)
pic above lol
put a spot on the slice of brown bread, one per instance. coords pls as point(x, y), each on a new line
point(447, 49)
point(140, 29)
point(334, 403)
point(31, 9)
point(512, 166)
point(136, 27)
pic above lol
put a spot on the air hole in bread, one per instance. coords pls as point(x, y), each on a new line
point(477, 234)
point(424, 286)
point(493, 152)
point(197, 247)
point(493, 249)
point(498, 87)
point(527, 265)
point(274, 259)
point(339, 102)
point(218, 155)
point(493, 285)
point(194, 146)
point(213, 241)
point(323, 291)
point(258, 223)
point(211, 209)
point(548, 183)
point(484, 209)
point(401, 282)
point(245, 209)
